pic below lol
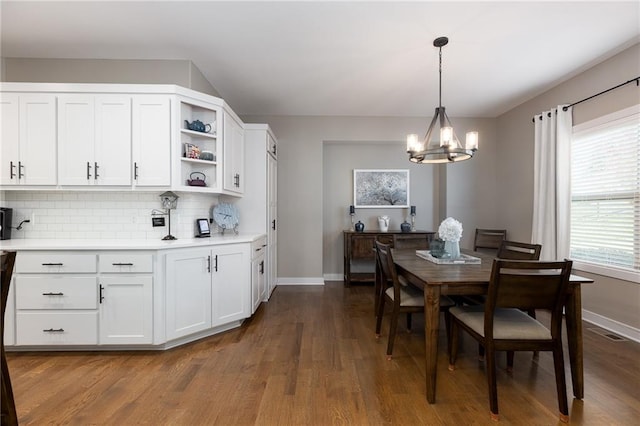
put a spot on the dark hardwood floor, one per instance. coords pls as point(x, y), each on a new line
point(310, 357)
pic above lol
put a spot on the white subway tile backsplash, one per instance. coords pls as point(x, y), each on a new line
point(102, 215)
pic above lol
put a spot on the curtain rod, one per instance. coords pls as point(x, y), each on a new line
point(637, 80)
point(564, 108)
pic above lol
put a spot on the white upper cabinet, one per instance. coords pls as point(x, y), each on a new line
point(233, 154)
point(94, 140)
point(28, 139)
point(151, 133)
point(117, 136)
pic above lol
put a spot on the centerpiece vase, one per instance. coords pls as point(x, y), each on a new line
point(453, 248)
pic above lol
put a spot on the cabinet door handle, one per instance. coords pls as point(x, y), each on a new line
point(273, 224)
point(52, 264)
point(95, 171)
point(11, 167)
point(53, 294)
point(122, 264)
point(88, 170)
point(101, 293)
point(135, 171)
point(262, 267)
point(20, 167)
point(274, 150)
point(209, 263)
point(51, 330)
point(215, 265)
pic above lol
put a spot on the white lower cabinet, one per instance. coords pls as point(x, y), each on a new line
point(230, 283)
point(134, 298)
point(56, 299)
point(126, 310)
point(83, 298)
point(188, 292)
point(206, 288)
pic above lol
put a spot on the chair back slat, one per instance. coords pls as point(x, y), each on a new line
point(514, 250)
point(489, 238)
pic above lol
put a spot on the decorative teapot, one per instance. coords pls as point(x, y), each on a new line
point(198, 126)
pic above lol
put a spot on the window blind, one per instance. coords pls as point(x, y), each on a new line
point(605, 192)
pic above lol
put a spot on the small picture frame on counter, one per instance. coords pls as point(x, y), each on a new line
point(202, 228)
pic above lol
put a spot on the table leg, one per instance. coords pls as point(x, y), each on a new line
point(573, 315)
point(432, 318)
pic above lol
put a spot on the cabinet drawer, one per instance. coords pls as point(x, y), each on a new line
point(258, 247)
point(55, 263)
point(125, 263)
point(385, 239)
point(57, 328)
point(56, 292)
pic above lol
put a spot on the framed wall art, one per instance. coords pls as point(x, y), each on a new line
point(380, 188)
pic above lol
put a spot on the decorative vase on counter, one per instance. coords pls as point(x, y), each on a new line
point(383, 223)
point(452, 248)
point(359, 227)
point(405, 227)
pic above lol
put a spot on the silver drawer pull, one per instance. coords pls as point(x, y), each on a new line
point(53, 294)
point(51, 330)
point(52, 264)
point(122, 264)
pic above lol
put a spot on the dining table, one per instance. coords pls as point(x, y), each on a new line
point(466, 279)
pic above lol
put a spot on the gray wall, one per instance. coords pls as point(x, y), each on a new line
point(615, 299)
point(302, 204)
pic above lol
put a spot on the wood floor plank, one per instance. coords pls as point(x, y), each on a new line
point(310, 357)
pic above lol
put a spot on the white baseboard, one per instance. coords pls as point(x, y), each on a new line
point(617, 327)
point(300, 281)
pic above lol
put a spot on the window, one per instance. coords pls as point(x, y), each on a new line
point(605, 195)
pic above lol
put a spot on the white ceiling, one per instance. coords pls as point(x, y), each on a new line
point(340, 58)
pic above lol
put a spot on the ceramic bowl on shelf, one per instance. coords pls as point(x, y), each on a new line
point(207, 155)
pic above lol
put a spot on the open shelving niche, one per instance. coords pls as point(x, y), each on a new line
point(191, 110)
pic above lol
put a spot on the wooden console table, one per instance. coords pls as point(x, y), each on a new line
point(359, 257)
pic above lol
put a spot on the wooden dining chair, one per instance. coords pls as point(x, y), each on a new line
point(489, 240)
point(514, 250)
point(400, 241)
point(500, 325)
point(404, 298)
point(8, 410)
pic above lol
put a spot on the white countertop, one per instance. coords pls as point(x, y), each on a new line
point(77, 244)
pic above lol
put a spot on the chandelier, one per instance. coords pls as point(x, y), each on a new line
point(448, 149)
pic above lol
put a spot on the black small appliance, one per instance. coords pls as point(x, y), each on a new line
point(6, 215)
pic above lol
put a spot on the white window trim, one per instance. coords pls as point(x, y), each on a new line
point(607, 271)
point(580, 265)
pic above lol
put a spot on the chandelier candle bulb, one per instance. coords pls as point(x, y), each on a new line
point(472, 140)
point(413, 143)
point(446, 136)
